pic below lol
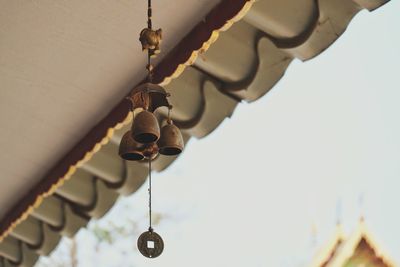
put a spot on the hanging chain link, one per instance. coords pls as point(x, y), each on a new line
point(149, 14)
point(149, 67)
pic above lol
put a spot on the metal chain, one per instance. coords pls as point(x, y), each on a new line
point(149, 14)
point(149, 52)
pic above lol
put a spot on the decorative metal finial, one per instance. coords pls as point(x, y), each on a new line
point(150, 40)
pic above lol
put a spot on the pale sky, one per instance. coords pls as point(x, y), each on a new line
point(249, 193)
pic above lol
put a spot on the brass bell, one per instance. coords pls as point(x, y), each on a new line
point(145, 128)
point(171, 141)
point(129, 149)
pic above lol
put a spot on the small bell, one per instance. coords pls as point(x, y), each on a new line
point(129, 149)
point(145, 128)
point(171, 141)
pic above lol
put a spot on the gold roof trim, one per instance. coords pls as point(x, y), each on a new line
point(334, 255)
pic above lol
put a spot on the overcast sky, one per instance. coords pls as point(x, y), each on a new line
point(250, 193)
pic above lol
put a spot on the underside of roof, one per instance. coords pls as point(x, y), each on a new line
point(242, 65)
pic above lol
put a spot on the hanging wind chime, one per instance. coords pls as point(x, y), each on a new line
point(145, 140)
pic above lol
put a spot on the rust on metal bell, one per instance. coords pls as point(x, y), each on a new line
point(148, 96)
point(145, 128)
point(129, 149)
point(171, 141)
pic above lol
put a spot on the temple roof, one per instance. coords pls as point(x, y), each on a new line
point(357, 249)
point(73, 172)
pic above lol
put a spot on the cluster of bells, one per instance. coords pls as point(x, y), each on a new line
point(146, 140)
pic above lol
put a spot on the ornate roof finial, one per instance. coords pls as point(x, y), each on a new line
point(339, 211)
point(361, 207)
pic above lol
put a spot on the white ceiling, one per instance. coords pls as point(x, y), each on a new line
point(63, 66)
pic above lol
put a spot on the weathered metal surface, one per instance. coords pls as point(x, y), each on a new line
point(150, 244)
point(171, 141)
point(145, 128)
point(129, 149)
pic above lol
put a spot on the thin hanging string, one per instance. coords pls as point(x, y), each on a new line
point(150, 228)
